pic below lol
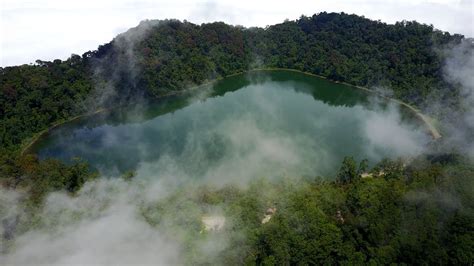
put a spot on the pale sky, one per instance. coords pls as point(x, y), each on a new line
point(50, 29)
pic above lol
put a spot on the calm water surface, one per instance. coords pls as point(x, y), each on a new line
point(275, 123)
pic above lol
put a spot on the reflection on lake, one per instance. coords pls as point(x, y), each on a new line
point(263, 124)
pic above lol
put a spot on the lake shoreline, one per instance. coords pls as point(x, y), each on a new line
point(426, 121)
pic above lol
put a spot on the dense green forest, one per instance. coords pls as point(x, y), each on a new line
point(401, 216)
point(421, 213)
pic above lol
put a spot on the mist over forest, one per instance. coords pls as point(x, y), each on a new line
point(235, 182)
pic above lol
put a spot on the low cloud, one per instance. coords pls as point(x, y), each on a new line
point(459, 122)
point(385, 130)
point(115, 222)
point(88, 228)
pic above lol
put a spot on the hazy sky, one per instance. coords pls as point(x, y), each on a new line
point(49, 29)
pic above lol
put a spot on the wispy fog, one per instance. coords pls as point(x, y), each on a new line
point(99, 226)
point(117, 222)
point(459, 122)
point(385, 130)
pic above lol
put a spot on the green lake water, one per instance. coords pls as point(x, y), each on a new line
point(261, 124)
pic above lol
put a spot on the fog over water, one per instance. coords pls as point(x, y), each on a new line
point(272, 125)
